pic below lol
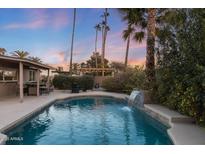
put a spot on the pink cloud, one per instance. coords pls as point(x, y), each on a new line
point(115, 51)
point(39, 18)
point(29, 25)
point(140, 61)
point(54, 56)
point(60, 19)
point(116, 47)
point(56, 59)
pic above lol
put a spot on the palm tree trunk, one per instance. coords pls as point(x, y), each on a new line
point(96, 56)
point(96, 40)
point(127, 51)
point(150, 58)
point(71, 53)
point(104, 42)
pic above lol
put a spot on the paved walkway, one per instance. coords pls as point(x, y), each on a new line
point(182, 129)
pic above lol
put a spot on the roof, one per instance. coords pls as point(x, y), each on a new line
point(25, 60)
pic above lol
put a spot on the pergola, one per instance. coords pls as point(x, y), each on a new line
point(20, 64)
point(112, 70)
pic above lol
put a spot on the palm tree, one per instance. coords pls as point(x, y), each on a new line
point(126, 36)
point(36, 59)
point(135, 27)
point(20, 54)
point(97, 28)
point(2, 51)
point(105, 29)
point(150, 58)
point(73, 32)
point(142, 20)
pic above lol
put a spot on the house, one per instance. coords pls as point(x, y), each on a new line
point(16, 73)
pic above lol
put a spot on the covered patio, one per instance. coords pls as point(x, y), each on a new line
point(17, 73)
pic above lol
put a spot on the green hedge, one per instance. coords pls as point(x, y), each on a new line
point(86, 82)
point(64, 82)
point(126, 81)
point(180, 67)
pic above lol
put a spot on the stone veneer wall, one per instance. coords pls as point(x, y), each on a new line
point(8, 89)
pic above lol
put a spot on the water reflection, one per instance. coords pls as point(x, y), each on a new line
point(71, 131)
point(152, 131)
point(35, 130)
point(126, 127)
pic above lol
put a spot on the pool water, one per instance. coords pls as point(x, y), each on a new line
point(90, 121)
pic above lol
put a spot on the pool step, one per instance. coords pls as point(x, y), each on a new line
point(165, 115)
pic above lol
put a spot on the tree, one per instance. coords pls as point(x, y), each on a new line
point(20, 54)
point(150, 56)
point(75, 68)
point(135, 27)
point(83, 65)
point(119, 67)
point(92, 61)
point(126, 36)
point(144, 22)
point(180, 64)
point(2, 51)
point(97, 28)
point(105, 29)
point(73, 32)
point(36, 59)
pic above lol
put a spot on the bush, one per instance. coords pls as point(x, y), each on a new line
point(180, 63)
point(64, 82)
point(113, 84)
point(61, 82)
point(86, 82)
point(126, 81)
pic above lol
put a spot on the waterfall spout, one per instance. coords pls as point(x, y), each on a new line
point(137, 98)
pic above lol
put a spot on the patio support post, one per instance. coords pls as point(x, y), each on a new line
point(48, 78)
point(21, 81)
point(38, 82)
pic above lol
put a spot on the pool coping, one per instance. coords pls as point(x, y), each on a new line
point(182, 129)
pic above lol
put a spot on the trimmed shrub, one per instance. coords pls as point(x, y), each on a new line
point(86, 82)
point(126, 81)
point(112, 84)
point(64, 82)
point(61, 82)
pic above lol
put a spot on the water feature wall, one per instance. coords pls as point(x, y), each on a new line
point(137, 98)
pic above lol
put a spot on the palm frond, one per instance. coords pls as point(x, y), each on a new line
point(20, 54)
point(2, 51)
point(139, 36)
point(35, 59)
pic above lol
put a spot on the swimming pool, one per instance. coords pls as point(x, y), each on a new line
point(89, 121)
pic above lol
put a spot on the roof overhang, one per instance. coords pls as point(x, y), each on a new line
point(27, 62)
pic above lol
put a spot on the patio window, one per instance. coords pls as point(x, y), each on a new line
point(31, 75)
point(8, 75)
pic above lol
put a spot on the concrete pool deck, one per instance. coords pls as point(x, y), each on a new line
point(182, 129)
point(12, 112)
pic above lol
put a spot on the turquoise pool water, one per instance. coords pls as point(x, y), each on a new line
point(90, 121)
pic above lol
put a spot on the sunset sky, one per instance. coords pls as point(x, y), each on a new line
point(46, 33)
